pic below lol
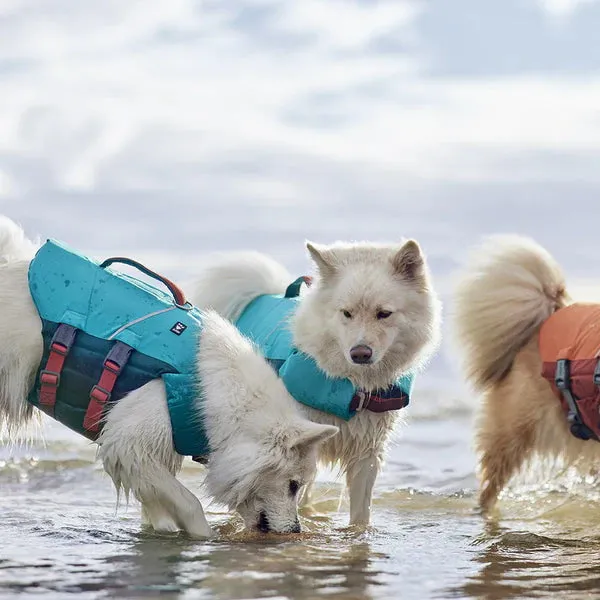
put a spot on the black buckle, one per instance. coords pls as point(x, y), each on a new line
point(562, 379)
point(597, 373)
point(562, 376)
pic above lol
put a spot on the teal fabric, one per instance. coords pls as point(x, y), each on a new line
point(82, 370)
point(68, 287)
point(267, 322)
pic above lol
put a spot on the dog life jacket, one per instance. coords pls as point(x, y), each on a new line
point(267, 322)
point(569, 343)
point(106, 334)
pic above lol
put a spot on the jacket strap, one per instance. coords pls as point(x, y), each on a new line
point(115, 361)
point(382, 401)
point(562, 380)
point(293, 290)
point(597, 373)
point(61, 343)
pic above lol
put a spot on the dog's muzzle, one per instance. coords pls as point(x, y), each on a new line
point(361, 355)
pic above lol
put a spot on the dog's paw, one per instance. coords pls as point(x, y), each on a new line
point(200, 533)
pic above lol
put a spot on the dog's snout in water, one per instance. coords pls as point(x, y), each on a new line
point(361, 355)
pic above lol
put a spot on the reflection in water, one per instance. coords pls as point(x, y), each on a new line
point(338, 567)
point(59, 534)
point(559, 557)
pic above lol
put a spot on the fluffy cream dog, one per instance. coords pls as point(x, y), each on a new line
point(514, 321)
point(370, 315)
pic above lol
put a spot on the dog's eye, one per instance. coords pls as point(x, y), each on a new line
point(384, 314)
point(347, 314)
point(294, 487)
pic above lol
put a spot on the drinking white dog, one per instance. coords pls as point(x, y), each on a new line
point(151, 379)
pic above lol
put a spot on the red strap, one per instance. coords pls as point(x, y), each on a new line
point(50, 376)
point(377, 404)
point(175, 290)
point(100, 395)
point(114, 363)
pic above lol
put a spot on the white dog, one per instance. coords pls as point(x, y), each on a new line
point(370, 316)
point(262, 449)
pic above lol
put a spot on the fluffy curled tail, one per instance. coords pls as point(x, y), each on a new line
point(232, 280)
point(14, 244)
point(511, 286)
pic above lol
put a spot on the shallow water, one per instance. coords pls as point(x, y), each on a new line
point(60, 532)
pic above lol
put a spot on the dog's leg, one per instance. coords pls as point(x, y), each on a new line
point(503, 444)
point(501, 457)
point(167, 496)
point(158, 518)
point(360, 478)
point(136, 447)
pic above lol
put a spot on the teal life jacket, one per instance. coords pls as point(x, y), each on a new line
point(100, 321)
point(267, 322)
point(106, 334)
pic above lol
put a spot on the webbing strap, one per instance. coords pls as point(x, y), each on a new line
point(383, 401)
point(293, 290)
point(61, 343)
point(597, 373)
point(115, 361)
point(562, 380)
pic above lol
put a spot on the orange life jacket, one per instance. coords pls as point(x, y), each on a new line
point(569, 343)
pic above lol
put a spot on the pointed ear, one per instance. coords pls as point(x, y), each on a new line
point(311, 434)
point(322, 257)
point(408, 262)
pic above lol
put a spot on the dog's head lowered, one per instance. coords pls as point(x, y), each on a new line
point(371, 313)
point(263, 451)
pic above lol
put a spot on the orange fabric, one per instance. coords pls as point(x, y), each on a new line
point(572, 332)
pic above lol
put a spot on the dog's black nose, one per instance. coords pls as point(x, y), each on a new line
point(361, 354)
point(296, 528)
point(263, 522)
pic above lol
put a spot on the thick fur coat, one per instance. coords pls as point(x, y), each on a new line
point(508, 290)
point(370, 315)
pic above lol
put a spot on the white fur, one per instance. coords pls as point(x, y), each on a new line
point(361, 278)
point(14, 244)
point(259, 440)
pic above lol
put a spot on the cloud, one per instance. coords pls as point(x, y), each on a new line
point(563, 8)
point(120, 95)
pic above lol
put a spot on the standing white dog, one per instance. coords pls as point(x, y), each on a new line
point(370, 317)
point(262, 449)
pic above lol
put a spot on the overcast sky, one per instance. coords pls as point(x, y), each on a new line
point(169, 129)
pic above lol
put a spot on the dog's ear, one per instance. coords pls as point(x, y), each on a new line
point(408, 262)
point(310, 434)
point(322, 257)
